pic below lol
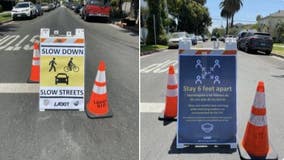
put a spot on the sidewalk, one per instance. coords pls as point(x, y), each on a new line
point(134, 29)
point(5, 17)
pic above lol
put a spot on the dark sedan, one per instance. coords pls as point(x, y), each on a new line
point(251, 42)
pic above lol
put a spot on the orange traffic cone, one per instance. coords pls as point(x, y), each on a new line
point(171, 99)
point(255, 143)
point(98, 106)
point(34, 74)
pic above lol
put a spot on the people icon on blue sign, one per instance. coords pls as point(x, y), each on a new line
point(217, 64)
point(198, 79)
point(198, 63)
point(216, 80)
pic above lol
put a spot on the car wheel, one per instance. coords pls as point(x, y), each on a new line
point(267, 52)
point(247, 49)
point(86, 18)
point(238, 46)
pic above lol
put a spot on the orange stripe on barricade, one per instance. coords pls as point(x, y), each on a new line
point(36, 58)
point(203, 52)
point(79, 40)
point(42, 40)
point(59, 40)
point(230, 52)
point(258, 111)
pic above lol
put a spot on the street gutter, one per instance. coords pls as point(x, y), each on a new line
point(277, 55)
point(150, 52)
point(1, 23)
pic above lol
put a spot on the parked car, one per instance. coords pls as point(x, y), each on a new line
point(23, 9)
point(175, 38)
point(222, 39)
point(51, 6)
point(96, 8)
point(45, 7)
point(39, 11)
point(205, 38)
point(73, 6)
point(251, 41)
point(193, 39)
point(213, 38)
point(78, 7)
point(199, 38)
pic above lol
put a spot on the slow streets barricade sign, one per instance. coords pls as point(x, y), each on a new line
point(62, 70)
point(207, 98)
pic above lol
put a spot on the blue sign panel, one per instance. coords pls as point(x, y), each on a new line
point(207, 99)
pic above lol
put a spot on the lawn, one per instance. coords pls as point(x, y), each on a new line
point(278, 48)
point(148, 48)
point(5, 17)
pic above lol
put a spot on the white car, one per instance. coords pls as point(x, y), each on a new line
point(23, 9)
point(175, 38)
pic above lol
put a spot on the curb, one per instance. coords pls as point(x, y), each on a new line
point(150, 52)
point(6, 21)
point(132, 29)
point(277, 55)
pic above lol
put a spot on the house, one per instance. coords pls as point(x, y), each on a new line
point(269, 23)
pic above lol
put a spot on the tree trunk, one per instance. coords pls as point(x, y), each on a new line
point(120, 7)
point(232, 21)
point(227, 25)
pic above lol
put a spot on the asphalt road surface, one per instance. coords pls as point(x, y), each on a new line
point(158, 141)
point(27, 134)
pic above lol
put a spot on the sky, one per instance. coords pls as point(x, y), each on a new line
point(247, 14)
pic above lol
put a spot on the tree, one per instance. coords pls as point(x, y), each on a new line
point(232, 6)
point(155, 9)
point(193, 17)
point(280, 31)
point(218, 32)
point(226, 14)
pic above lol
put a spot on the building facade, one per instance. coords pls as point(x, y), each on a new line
point(269, 23)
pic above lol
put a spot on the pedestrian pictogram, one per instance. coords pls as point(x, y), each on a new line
point(52, 64)
point(62, 70)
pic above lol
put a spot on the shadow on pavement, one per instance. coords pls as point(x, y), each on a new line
point(7, 28)
point(278, 76)
point(166, 122)
point(223, 149)
point(130, 32)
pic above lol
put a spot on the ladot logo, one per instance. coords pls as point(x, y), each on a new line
point(207, 127)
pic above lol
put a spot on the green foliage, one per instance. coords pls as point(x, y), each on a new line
point(193, 17)
point(280, 32)
point(232, 7)
point(218, 32)
point(233, 31)
point(155, 8)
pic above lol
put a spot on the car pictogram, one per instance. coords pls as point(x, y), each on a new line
point(62, 78)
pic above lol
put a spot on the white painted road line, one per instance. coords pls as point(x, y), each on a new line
point(17, 42)
point(159, 67)
point(151, 107)
point(19, 88)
